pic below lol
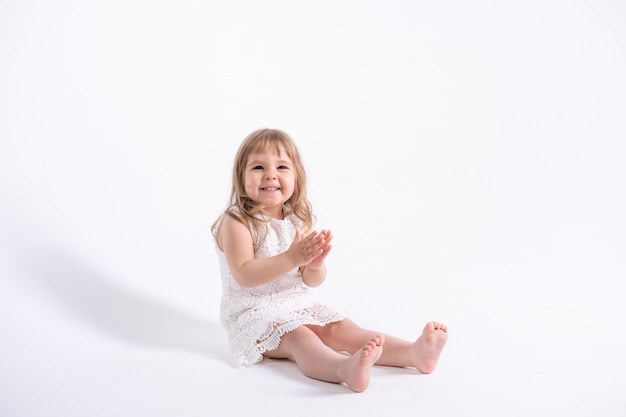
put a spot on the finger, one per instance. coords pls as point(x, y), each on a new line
point(317, 244)
point(311, 236)
point(310, 255)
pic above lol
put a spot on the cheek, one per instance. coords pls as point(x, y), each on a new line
point(248, 184)
point(249, 179)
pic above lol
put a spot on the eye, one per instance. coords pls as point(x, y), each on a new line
point(283, 167)
point(257, 167)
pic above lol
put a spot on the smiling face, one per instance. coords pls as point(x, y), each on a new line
point(269, 179)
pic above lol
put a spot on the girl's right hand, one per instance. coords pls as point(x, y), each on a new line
point(304, 249)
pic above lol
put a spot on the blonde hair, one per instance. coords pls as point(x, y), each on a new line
point(246, 210)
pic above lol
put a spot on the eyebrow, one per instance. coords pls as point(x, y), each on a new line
point(279, 162)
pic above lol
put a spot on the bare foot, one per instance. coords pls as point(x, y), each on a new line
point(355, 370)
point(427, 348)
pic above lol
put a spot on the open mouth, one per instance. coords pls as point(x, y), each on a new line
point(270, 189)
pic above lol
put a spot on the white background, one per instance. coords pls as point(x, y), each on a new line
point(469, 157)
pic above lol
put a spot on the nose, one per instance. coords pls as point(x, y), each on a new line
point(270, 174)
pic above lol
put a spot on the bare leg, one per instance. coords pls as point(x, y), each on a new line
point(316, 360)
point(423, 354)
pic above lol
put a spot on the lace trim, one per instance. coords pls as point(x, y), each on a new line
point(255, 353)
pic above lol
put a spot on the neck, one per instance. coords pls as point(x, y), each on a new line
point(275, 213)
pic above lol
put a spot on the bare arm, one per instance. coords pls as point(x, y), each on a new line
point(235, 240)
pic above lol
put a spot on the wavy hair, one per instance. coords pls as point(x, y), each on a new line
point(247, 211)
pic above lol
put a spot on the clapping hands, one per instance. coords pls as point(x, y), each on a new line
point(311, 250)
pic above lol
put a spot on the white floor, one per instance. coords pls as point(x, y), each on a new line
point(77, 343)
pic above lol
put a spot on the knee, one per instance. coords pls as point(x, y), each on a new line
point(341, 327)
point(291, 341)
point(335, 331)
point(303, 333)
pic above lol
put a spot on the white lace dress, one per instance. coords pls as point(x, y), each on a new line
point(256, 318)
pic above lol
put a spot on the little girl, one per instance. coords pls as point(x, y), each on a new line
point(269, 258)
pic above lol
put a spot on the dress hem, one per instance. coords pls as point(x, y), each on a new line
point(255, 355)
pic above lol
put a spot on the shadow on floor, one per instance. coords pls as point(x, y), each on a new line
point(120, 312)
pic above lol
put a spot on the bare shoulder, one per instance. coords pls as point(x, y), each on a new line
point(233, 230)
